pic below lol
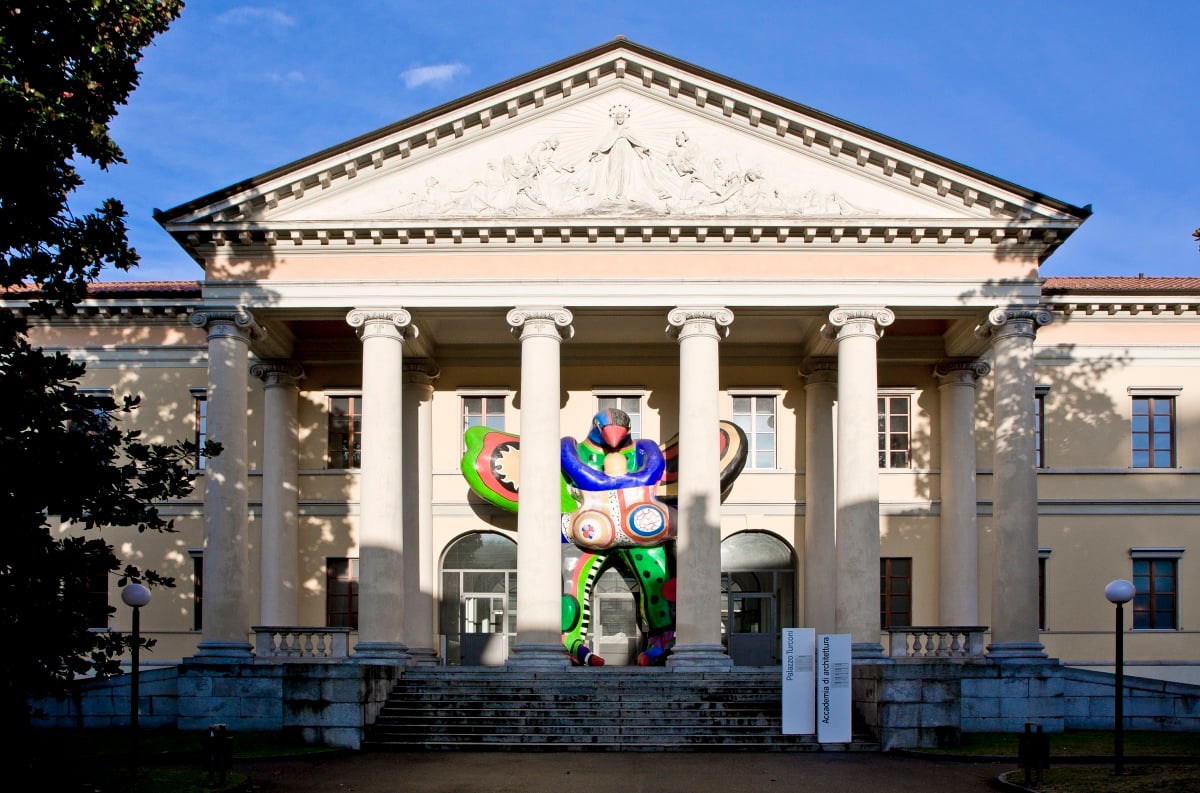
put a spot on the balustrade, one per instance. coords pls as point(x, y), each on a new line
point(940, 641)
point(275, 643)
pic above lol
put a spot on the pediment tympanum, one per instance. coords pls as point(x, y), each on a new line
point(616, 155)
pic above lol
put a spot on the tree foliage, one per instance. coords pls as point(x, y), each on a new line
point(67, 469)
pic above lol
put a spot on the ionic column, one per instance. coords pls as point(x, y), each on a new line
point(1014, 485)
point(226, 504)
point(279, 602)
point(539, 519)
point(958, 542)
point(857, 613)
point(820, 486)
point(698, 646)
point(381, 496)
point(418, 510)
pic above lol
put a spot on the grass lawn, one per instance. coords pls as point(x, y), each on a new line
point(168, 761)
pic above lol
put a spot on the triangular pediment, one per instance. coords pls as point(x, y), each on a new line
point(624, 135)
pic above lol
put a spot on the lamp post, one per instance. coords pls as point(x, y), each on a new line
point(1119, 592)
point(135, 596)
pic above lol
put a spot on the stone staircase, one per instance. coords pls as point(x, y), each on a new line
point(594, 709)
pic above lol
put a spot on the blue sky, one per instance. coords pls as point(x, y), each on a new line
point(1088, 102)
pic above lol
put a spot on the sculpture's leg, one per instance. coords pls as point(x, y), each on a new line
point(577, 607)
point(654, 569)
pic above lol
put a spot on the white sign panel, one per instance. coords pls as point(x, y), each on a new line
point(834, 697)
point(799, 681)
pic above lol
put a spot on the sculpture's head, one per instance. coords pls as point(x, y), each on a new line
point(610, 429)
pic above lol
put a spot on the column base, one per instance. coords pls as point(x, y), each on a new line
point(224, 652)
point(381, 653)
point(699, 658)
point(1017, 651)
point(538, 656)
point(422, 656)
point(867, 652)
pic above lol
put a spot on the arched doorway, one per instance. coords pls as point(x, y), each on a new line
point(478, 614)
point(613, 631)
point(758, 584)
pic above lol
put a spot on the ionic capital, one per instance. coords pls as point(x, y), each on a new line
point(392, 323)
point(819, 370)
point(421, 372)
point(278, 373)
point(847, 321)
point(1014, 321)
point(964, 371)
point(547, 321)
point(690, 321)
point(232, 322)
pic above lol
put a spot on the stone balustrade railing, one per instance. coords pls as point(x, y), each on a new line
point(937, 641)
point(290, 643)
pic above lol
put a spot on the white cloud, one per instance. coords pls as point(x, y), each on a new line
point(438, 74)
point(294, 77)
point(248, 15)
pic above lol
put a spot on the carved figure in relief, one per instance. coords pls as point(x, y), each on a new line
point(623, 171)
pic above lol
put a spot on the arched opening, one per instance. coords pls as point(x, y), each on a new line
point(758, 582)
point(478, 614)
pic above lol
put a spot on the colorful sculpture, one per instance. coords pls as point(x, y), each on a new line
point(617, 500)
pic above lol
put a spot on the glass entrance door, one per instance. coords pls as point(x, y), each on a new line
point(753, 636)
point(484, 641)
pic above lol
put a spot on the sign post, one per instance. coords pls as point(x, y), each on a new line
point(799, 681)
point(834, 696)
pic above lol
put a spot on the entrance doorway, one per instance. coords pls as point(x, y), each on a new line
point(758, 585)
point(478, 610)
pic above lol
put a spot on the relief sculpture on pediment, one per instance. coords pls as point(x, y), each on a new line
point(619, 170)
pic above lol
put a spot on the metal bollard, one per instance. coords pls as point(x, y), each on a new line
point(218, 753)
point(1033, 752)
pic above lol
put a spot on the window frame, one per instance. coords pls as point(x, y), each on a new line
point(331, 395)
point(1043, 566)
point(347, 617)
point(1152, 394)
point(197, 556)
point(200, 424)
point(503, 394)
point(1039, 425)
point(909, 395)
point(1150, 556)
point(753, 437)
point(886, 593)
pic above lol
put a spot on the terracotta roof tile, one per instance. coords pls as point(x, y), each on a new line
point(1121, 284)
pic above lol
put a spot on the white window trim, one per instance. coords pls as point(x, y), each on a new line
point(906, 391)
point(775, 393)
point(1173, 552)
point(1154, 390)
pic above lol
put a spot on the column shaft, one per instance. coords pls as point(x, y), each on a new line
point(1014, 486)
point(698, 544)
point(857, 611)
point(380, 531)
point(226, 504)
point(820, 505)
point(958, 543)
point(418, 511)
point(539, 517)
point(280, 580)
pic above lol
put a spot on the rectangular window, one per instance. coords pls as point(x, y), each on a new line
point(345, 431)
point(341, 592)
point(1153, 426)
point(632, 405)
point(1156, 593)
point(895, 591)
point(1043, 555)
point(197, 590)
point(483, 411)
point(1039, 424)
point(200, 398)
point(894, 431)
point(755, 414)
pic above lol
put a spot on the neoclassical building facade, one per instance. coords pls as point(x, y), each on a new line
point(938, 437)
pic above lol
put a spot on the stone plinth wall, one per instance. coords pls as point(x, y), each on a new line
point(104, 704)
point(1088, 702)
